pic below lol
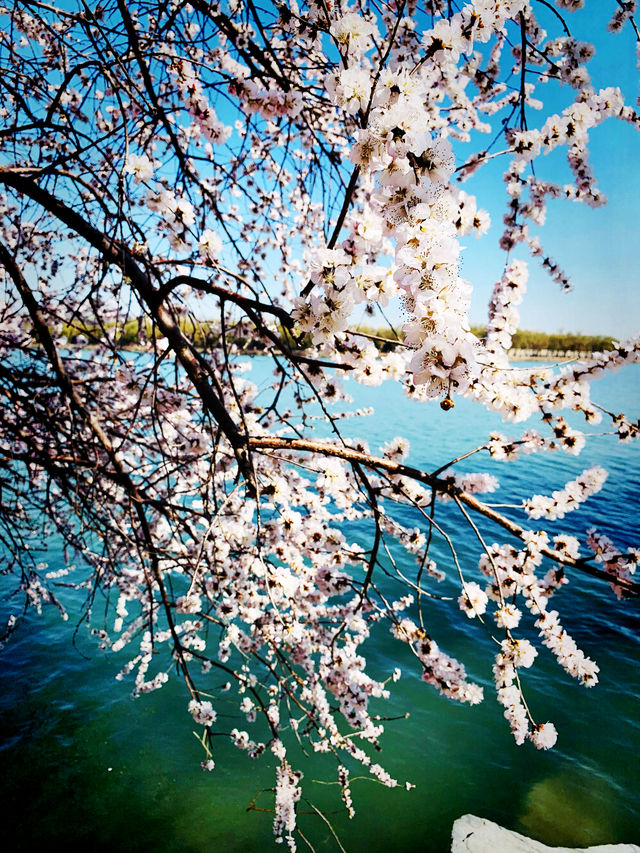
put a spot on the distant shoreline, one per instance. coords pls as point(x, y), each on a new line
point(513, 354)
point(548, 355)
point(137, 334)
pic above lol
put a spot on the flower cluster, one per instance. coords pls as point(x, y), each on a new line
point(619, 565)
point(288, 793)
point(202, 712)
point(513, 573)
point(439, 669)
point(567, 499)
point(514, 654)
point(503, 314)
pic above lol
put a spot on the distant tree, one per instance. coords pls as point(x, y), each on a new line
point(271, 167)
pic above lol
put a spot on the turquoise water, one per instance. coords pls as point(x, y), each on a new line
point(84, 765)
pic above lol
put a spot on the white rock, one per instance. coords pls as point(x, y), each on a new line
point(473, 834)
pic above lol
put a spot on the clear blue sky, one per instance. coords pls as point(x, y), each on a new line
point(599, 249)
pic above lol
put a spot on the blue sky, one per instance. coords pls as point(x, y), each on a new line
point(599, 249)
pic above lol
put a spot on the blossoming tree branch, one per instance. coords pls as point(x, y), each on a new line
point(271, 167)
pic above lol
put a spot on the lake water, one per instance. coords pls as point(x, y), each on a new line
point(86, 766)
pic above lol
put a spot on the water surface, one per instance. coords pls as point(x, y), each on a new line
point(86, 766)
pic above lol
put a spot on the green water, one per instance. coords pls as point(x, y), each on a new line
point(85, 766)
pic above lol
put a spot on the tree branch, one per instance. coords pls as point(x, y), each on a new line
point(442, 486)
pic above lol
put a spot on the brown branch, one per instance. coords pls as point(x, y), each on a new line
point(117, 253)
point(523, 71)
point(443, 486)
point(64, 381)
point(224, 293)
point(66, 384)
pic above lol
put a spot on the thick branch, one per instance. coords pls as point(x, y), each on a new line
point(239, 300)
point(443, 486)
point(117, 253)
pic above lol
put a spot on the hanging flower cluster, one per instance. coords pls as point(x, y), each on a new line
point(565, 500)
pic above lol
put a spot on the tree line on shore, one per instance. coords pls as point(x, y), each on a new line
point(139, 332)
